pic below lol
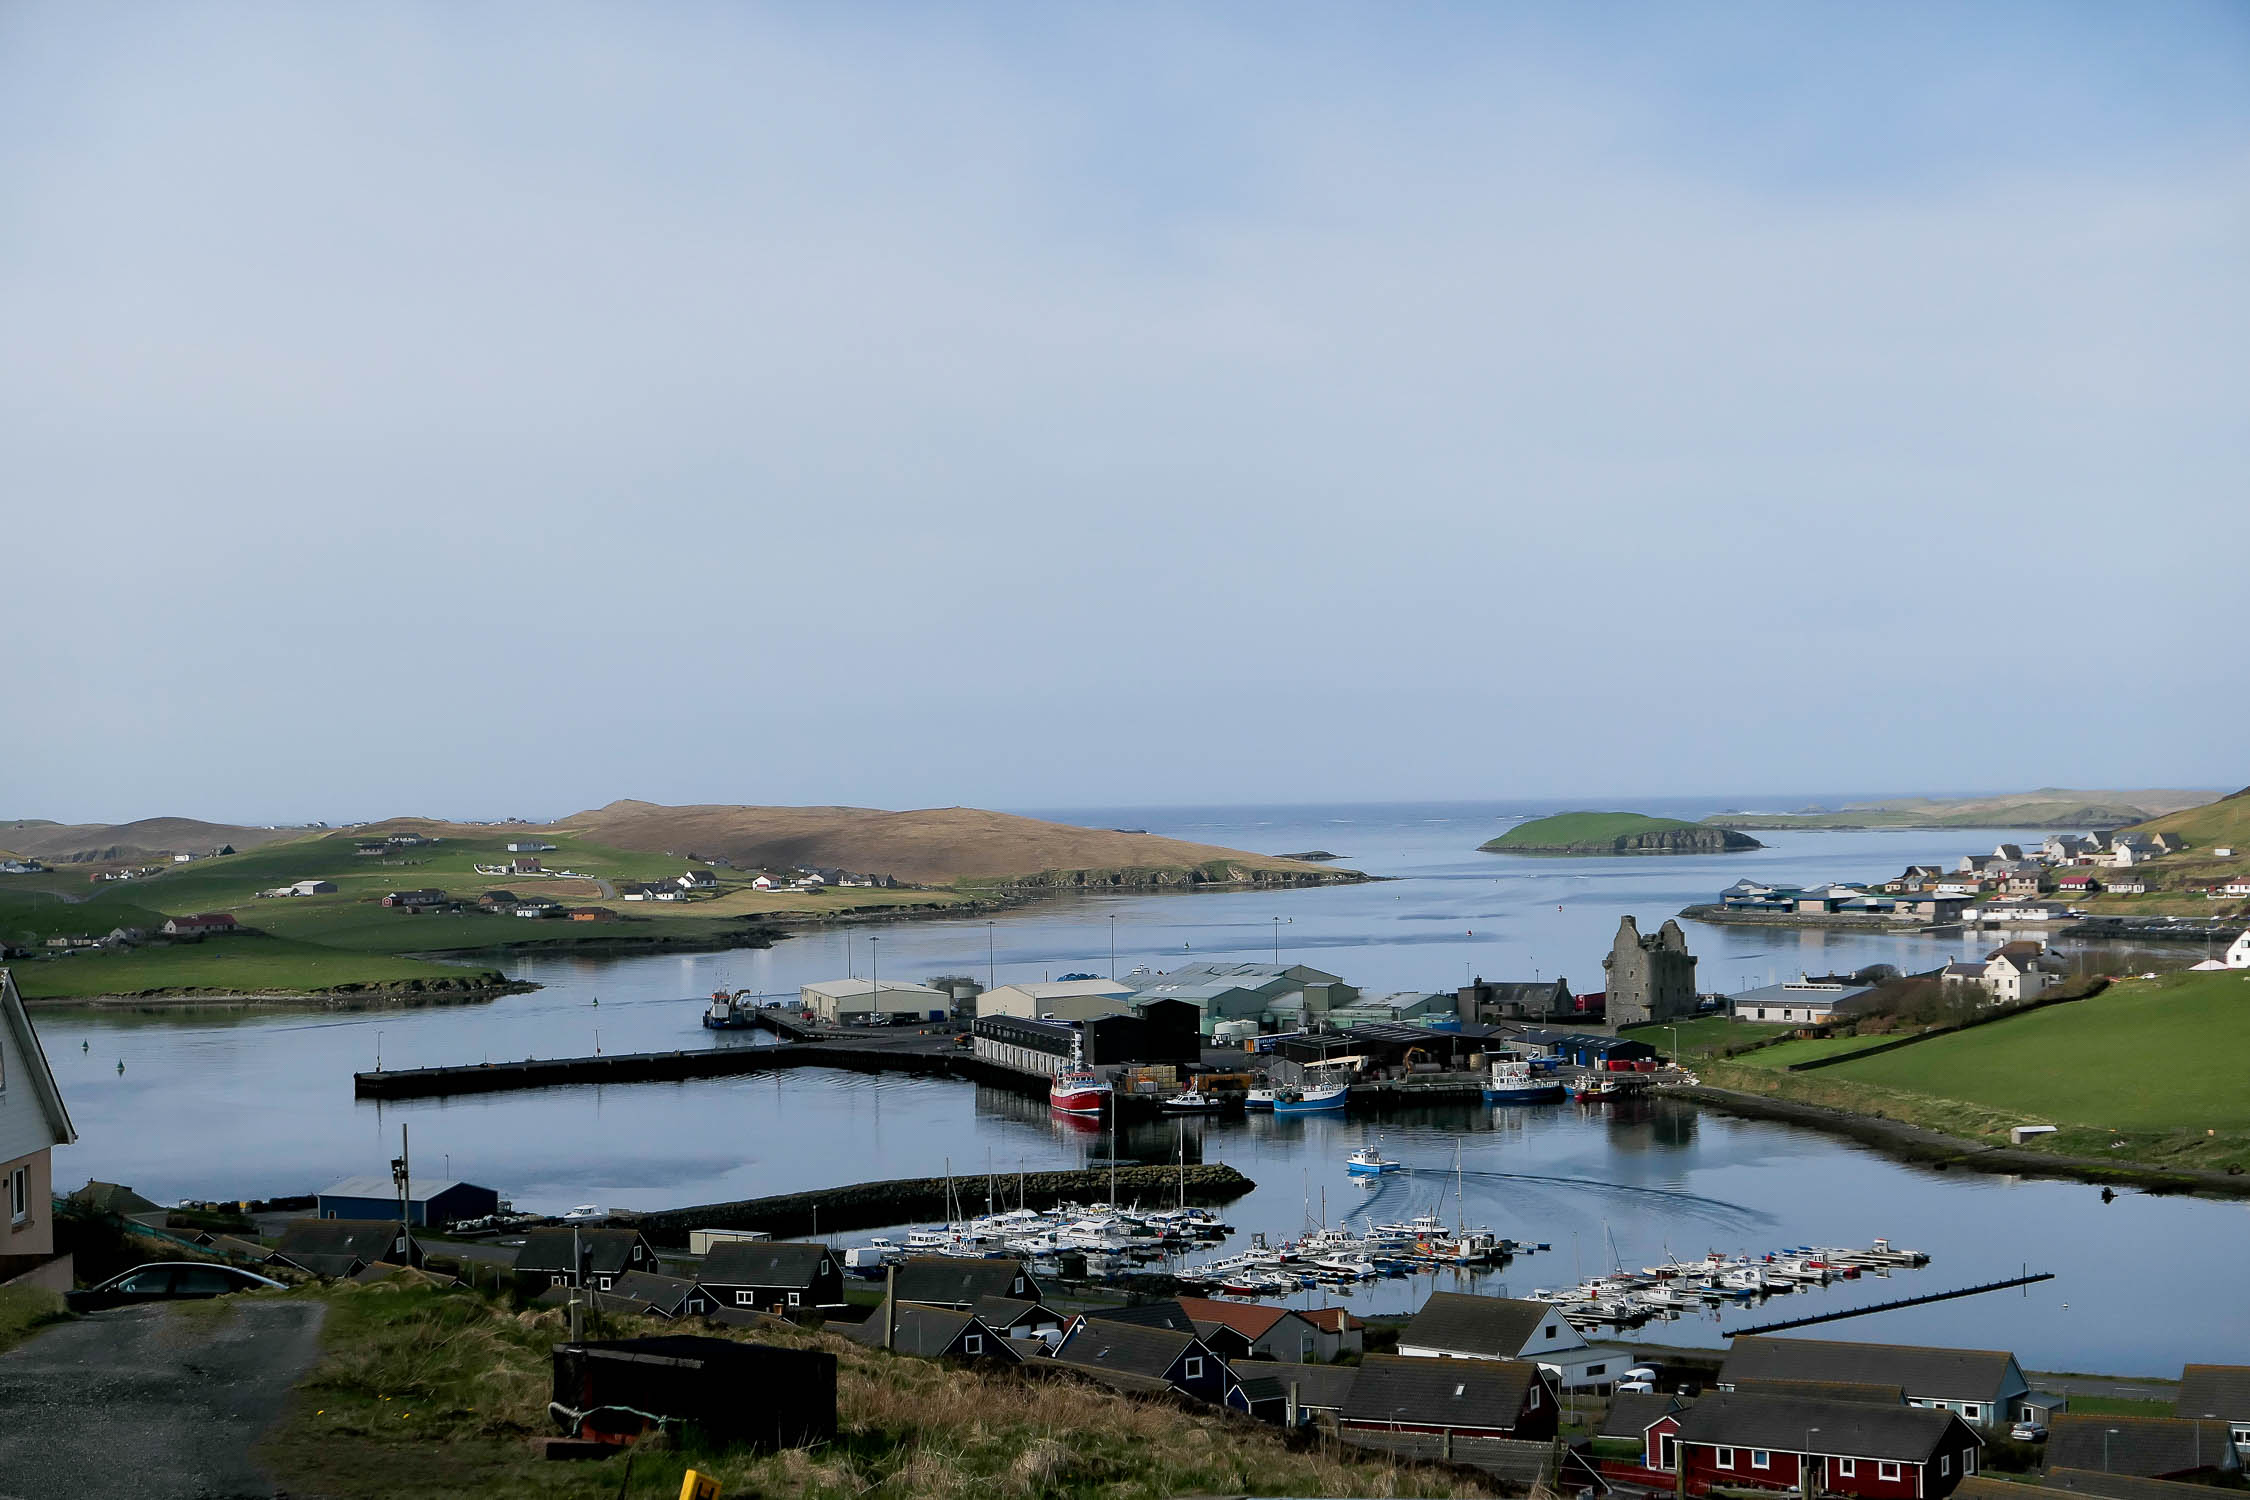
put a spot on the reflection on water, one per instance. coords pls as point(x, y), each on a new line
point(228, 1105)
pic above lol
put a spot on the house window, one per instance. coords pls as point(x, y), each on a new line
point(1944, 1466)
point(19, 1195)
point(1886, 1470)
point(1667, 1452)
point(695, 1304)
point(1846, 1468)
point(1192, 1370)
point(605, 1283)
point(558, 1281)
point(1974, 1411)
point(973, 1344)
point(795, 1299)
point(1968, 1461)
point(1723, 1457)
point(744, 1299)
point(1760, 1459)
point(1531, 1403)
point(1550, 1330)
point(1596, 1369)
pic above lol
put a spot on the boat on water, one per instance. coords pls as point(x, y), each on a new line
point(1191, 1102)
point(1259, 1098)
point(1077, 1089)
point(1369, 1161)
point(1513, 1082)
point(1313, 1098)
point(728, 1012)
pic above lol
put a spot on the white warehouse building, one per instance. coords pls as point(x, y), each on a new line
point(848, 1002)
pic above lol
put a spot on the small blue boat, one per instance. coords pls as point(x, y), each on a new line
point(1313, 1098)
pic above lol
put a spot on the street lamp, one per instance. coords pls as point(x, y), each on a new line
point(989, 980)
point(874, 976)
point(1804, 1464)
point(1277, 921)
point(2106, 1436)
point(1113, 947)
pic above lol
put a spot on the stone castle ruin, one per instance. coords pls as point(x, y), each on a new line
point(1650, 978)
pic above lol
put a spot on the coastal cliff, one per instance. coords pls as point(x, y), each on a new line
point(1611, 833)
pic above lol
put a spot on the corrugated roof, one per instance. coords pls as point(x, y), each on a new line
point(1951, 1374)
point(1489, 1327)
point(2152, 1447)
point(1440, 1392)
point(1846, 1429)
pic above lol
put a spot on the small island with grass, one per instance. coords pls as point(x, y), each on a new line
point(1596, 833)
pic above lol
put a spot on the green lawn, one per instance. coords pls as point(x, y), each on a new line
point(1787, 1054)
point(248, 963)
point(1706, 1035)
point(2163, 1054)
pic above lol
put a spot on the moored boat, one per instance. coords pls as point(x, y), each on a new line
point(1369, 1161)
point(1513, 1082)
point(1077, 1089)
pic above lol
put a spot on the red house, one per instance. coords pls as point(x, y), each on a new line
point(1737, 1440)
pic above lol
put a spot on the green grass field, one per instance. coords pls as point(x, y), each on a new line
point(349, 938)
point(247, 964)
point(1788, 1054)
point(2148, 1055)
point(1706, 1036)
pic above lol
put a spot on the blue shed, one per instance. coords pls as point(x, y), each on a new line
point(430, 1202)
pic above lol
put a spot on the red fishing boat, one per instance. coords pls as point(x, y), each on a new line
point(1076, 1090)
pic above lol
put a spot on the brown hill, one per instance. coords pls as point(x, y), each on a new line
point(65, 843)
point(936, 846)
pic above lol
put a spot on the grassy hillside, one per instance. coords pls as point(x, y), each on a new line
point(56, 843)
point(1613, 833)
point(428, 1395)
point(2050, 807)
point(2226, 821)
point(934, 846)
point(2147, 1071)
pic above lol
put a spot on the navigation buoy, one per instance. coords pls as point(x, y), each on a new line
point(121, 1065)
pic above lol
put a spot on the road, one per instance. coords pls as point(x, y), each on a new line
point(151, 1403)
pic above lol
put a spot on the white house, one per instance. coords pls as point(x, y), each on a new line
point(2238, 885)
point(762, 883)
point(1456, 1325)
point(33, 1122)
point(2238, 954)
point(1801, 1000)
point(313, 888)
point(2020, 971)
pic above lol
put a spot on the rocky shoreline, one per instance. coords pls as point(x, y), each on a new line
point(413, 992)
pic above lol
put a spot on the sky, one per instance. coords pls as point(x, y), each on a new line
point(498, 410)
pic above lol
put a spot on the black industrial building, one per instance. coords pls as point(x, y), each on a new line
point(1162, 1031)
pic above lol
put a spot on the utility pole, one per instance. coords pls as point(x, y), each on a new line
point(403, 1176)
point(890, 1305)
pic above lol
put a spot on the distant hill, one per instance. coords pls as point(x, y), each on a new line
point(73, 843)
point(2049, 807)
point(1615, 833)
point(938, 846)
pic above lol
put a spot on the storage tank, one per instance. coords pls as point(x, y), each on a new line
point(1232, 1033)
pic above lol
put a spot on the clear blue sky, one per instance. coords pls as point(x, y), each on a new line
point(497, 409)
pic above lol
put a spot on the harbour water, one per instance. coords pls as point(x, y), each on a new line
point(231, 1104)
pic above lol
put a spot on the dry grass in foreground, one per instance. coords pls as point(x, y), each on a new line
point(432, 1393)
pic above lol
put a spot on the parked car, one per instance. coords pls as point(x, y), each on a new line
point(168, 1281)
point(2028, 1432)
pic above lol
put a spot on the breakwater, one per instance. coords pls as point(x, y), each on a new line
point(878, 1205)
point(644, 1067)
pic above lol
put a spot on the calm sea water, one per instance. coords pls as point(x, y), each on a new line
point(260, 1105)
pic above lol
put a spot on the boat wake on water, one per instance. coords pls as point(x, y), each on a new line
point(1717, 1210)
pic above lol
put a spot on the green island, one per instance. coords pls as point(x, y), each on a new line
point(2147, 1074)
point(1600, 833)
point(89, 926)
point(2049, 807)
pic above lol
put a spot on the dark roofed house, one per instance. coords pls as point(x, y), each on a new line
point(201, 925)
point(953, 1281)
point(1020, 1318)
point(935, 1333)
point(1492, 1398)
point(1144, 1360)
point(1735, 1440)
point(421, 900)
point(2116, 1486)
point(1226, 1342)
point(113, 1198)
point(1826, 1390)
point(1277, 1333)
point(337, 1248)
point(2151, 1447)
point(1461, 1326)
point(545, 1259)
point(660, 1295)
point(2221, 1391)
point(1985, 1387)
point(773, 1274)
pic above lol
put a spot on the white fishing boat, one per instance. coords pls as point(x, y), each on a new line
point(1512, 1081)
point(1260, 1098)
point(1369, 1161)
